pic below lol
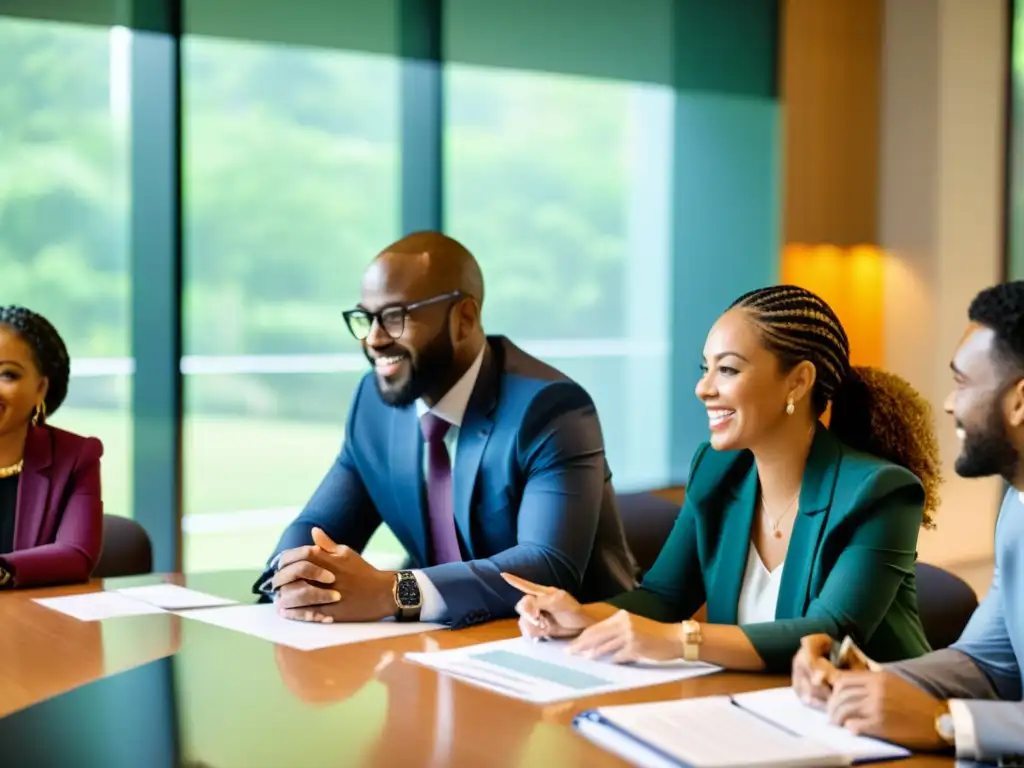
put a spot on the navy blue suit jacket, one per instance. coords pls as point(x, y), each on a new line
point(531, 489)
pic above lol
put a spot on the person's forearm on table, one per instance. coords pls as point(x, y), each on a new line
point(728, 646)
point(722, 645)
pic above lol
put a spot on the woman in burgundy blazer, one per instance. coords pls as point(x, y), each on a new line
point(51, 511)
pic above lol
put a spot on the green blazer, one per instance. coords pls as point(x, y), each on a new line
point(849, 567)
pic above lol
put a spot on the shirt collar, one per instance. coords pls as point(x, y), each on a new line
point(452, 407)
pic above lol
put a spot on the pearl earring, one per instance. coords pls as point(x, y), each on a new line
point(790, 407)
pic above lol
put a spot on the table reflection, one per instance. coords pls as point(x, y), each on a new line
point(219, 698)
point(430, 720)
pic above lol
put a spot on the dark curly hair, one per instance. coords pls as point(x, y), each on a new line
point(51, 356)
point(873, 411)
point(1001, 308)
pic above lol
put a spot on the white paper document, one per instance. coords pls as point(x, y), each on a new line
point(777, 730)
point(701, 733)
point(96, 606)
point(264, 621)
point(782, 707)
point(547, 672)
point(171, 597)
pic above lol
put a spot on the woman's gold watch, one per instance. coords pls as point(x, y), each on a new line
point(691, 636)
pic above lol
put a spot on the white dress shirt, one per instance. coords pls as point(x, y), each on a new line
point(760, 591)
point(451, 408)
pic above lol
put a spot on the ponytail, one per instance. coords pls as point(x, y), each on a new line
point(877, 412)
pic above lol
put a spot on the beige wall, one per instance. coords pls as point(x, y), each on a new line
point(830, 63)
point(940, 216)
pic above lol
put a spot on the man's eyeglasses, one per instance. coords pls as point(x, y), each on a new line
point(390, 319)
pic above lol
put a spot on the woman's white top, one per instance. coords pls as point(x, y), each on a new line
point(760, 591)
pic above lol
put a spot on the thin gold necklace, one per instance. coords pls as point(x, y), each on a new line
point(775, 523)
point(11, 471)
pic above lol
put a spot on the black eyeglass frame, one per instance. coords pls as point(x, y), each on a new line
point(402, 311)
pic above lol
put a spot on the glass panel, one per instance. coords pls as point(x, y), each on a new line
point(64, 217)
point(291, 187)
point(559, 184)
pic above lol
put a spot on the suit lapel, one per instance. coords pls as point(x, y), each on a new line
point(33, 489)
point(473, 435)
point(738, 516)
point(407, 474)
point(815, 500)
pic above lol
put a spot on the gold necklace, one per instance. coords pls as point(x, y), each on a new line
point(775, 523)
point(11, 471)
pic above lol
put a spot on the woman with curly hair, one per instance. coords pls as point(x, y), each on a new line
point(51, 513)
point(789, 527)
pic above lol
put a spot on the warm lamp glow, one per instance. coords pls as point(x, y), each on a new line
point(852, 281)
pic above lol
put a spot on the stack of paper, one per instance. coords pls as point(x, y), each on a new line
point(132, 601)
point(173, 598)
point(547, 672)
point(97, 606)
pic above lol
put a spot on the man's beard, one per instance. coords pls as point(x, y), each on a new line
point(432, 371)
point(989, 451)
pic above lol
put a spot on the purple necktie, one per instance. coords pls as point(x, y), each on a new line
point(439, 491)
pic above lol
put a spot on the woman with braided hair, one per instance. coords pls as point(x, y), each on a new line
point(789, 527)
point(51, 513)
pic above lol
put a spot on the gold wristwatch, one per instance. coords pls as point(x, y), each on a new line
point(692, 638)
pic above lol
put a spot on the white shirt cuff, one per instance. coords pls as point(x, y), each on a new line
point(963, 727)
point(432, 606)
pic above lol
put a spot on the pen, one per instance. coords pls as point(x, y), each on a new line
point(847, 656)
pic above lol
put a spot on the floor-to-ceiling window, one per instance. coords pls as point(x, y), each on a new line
point(558, 153)
point(559, 181)
point(291, 155)
point(64, 216)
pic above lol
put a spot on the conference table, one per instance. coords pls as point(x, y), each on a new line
point(166, 691)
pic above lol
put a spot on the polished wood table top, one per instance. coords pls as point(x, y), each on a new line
point(161, 690)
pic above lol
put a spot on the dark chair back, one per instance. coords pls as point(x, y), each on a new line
point(647, 520)
point(127, 550)
point(945, 602)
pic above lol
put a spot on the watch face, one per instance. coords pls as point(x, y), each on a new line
point(408, 593)
point(944, 725)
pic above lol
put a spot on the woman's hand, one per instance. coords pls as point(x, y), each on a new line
point(813, 673)
point(546, 612)
point(628, 638)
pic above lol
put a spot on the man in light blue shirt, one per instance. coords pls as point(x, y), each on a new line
point(480, 458)
point(966, 697)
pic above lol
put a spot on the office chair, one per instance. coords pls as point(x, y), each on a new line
point(647, 520)
point(945, 602)
point(127, 550)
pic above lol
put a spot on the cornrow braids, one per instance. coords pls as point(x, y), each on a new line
point(798, 325)
point(48, 349)
point(873, 411)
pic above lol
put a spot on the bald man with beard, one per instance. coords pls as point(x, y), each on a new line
point(480, 458)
